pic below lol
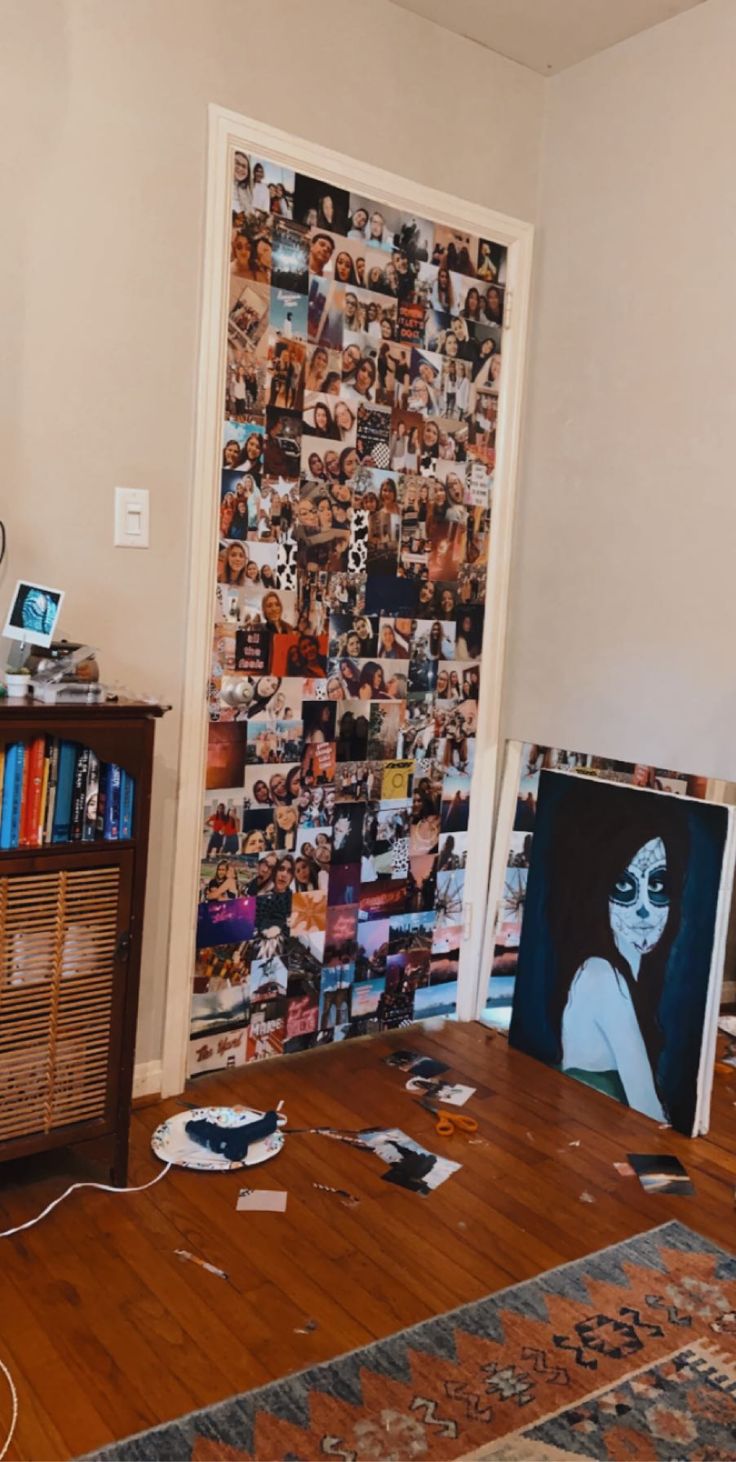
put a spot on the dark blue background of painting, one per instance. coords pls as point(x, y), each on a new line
point(682, 1007)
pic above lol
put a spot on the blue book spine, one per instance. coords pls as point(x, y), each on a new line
point(6, 813)
point(61, 826)
point(17, 795)
point(112, 803)
point(127, 789)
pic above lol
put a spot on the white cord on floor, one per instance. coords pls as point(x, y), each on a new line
point(14, 1417)
point(104, 1188)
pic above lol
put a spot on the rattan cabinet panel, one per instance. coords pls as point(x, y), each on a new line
point(71, 923)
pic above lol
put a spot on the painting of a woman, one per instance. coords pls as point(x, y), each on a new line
point(618, 943)
point(614, 912)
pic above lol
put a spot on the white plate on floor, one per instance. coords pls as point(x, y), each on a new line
point(172, 1143)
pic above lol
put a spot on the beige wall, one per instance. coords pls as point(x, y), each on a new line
point(102, 154)
point(623, 616)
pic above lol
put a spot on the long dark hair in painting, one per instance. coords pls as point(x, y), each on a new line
point(593, 845)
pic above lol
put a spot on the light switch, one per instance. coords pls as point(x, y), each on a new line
point(131, 517)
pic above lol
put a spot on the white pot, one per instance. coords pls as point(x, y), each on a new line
point(17, 685)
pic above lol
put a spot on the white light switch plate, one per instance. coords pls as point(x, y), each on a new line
point(131, 517)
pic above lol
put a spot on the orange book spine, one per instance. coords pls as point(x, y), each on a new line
point(43, 800)
point(32, 793)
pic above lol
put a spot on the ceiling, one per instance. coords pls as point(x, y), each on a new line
point(547, 35)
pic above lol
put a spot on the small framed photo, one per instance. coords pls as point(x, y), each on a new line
point(33, 614)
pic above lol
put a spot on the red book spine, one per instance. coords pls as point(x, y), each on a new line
point(31, 810)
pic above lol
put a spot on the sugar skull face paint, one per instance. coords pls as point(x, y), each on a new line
point(639, 902)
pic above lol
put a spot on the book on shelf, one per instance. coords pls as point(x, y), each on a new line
point(91, 799)
point(32, 789)
point(56, 791)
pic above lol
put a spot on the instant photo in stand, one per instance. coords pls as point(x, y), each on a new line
point(32, 619)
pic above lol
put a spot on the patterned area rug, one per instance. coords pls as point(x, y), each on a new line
point(629, 1353)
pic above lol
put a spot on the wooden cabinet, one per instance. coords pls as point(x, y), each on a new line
point(71, 925)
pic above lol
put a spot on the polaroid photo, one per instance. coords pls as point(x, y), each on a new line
point(33, 613)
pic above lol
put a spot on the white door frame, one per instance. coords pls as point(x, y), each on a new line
point(228, 130)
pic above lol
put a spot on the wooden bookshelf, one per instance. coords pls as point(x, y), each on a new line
point(71, 925)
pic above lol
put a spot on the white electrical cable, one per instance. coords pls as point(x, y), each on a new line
point(14, 1417)
point(104, 1188)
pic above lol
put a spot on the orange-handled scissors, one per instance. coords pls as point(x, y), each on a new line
point(450, 1122)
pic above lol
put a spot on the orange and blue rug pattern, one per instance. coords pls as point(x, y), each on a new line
point(628, 1353)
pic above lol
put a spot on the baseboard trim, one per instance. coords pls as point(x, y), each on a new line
point(147, 1079)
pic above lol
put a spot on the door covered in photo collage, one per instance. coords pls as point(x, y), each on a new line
point(363, 361)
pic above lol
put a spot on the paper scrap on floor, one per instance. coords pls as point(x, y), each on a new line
point(727, 1023)
point(441, 1091)
point(660, 1173)
point(411, 1165)
point(261, 1200)
point(416, 1063)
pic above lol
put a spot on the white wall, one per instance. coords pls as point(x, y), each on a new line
point(623, 615)
point(102, 154)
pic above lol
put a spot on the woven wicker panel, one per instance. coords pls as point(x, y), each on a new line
point(58, 933)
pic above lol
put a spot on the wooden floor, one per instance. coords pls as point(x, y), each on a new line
point(106, 1332)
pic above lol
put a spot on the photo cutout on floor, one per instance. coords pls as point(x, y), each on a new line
point(354, 496)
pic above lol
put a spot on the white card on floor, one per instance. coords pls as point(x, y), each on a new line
point(263, 1200)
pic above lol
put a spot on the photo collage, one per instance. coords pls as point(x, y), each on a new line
point(364, 349)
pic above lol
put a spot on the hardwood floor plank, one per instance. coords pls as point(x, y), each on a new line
point(106, 1331)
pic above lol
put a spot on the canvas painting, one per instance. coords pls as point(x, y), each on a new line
point(525, 763)
point(362, 365)
point(620, 948)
